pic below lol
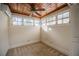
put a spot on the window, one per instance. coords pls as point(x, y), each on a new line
point(54, 18)
point(22, 21)
point(59, 16)
point(27, 22)
point(51, 20)
point(54, 22)
point(51, 23)
point(37, 23)
point(66, 17)
point(17, 21)
point(14, 19)
point(43, 22)
point(63, 18)
point(66, 20)
point(59, 21)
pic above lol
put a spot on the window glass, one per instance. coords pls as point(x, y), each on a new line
point(66, 14)
point(59, 16)
point(51, 23)
point(66, 20)
point(27, 22)
point(17, 21)
point(54, 22)
point(54, 18)
point(24, 22)
point(14, 20)
point(59, 22)
point(37, 22)
point(43, 22)
point(49, 19)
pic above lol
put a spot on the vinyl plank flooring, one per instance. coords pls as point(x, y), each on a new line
point(36, 49)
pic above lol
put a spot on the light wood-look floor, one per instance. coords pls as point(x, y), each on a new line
point(36, 49)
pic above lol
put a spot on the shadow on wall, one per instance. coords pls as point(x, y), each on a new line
point(57, 36)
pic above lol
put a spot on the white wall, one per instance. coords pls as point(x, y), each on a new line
point(22, 35)
point(58, 37)
point(4, 38)
point(4, 44)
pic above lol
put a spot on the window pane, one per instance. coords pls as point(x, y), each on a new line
point(19, 19)
point(24, 22)
point(66, 14)
point(27, 22)
point(54, 18)
point(49, 19)
point(54, 22)
point(48, 23)
point(44, 24)
point(66, 20)
point(43, 21)
point(37, 23)
point(14, 19)
point(59, 22)
point(51, 23)
point(19, 23)
point(59, 16)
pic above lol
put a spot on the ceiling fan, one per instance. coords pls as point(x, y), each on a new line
point(34, 10)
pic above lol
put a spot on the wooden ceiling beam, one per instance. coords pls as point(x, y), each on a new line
point(26, 14)
point(39, 15)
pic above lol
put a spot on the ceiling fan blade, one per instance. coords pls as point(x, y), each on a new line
point(40, 10)
point(32, 5)
point(34, 9)
point(38, 13)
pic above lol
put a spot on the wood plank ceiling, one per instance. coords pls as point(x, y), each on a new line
point(26, 8)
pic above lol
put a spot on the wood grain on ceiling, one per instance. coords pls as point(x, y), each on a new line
point(39, 9)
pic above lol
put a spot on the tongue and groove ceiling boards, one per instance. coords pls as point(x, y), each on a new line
point(35, 9)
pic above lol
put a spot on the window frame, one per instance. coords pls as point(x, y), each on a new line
point(16, 20)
